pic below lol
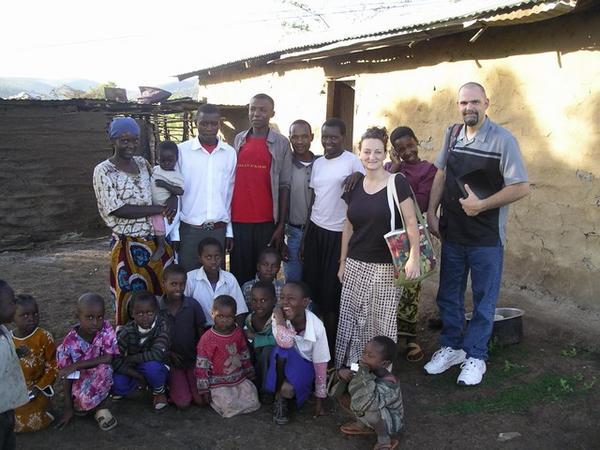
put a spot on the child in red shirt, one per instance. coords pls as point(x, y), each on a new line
point(223, 366)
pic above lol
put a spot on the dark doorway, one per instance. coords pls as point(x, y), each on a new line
point(340, 103)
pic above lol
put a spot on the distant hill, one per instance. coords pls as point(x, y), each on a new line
point(69, 88)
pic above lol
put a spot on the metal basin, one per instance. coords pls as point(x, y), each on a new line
point(508, 325)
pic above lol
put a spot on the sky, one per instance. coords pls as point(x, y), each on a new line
point(133, 42)
point(139, 43)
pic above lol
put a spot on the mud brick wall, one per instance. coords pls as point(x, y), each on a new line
point(47, 156)
point(543, 80)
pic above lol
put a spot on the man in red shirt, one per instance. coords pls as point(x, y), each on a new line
point(261, 191)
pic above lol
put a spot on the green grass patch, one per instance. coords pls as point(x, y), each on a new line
point(546, 388)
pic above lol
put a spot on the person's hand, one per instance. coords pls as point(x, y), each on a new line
point(36, 391)
point(285, 252)
point(471, 205)
point(412, 268)
point(251, 376)
point(278, 314)
point(65, 419)
point(228, 244)
point(176, 359)
point(341, 270)
point(170, 210)
point(66, 371)
point(161, 183)
point(143, 384)
point(433, 224)
point(277, 237)
point(351, 180)
point(205, 398)
point(319, 409)
point(22, 351)
point(345, 374)
point(301, 250)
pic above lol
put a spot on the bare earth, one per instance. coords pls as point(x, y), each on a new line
point(545, 388)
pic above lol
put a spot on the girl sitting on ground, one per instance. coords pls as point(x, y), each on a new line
point(224, 368)
point(37, 355)
point(300, 358)
point(143, 347)
point(259, 332)
point(375, 397)
point(84, 360)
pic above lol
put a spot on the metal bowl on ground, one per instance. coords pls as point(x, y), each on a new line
point(508, 325)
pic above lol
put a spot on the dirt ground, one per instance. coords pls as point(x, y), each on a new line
point(545, 388)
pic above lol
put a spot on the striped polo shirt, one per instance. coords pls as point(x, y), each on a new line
point(492, 156)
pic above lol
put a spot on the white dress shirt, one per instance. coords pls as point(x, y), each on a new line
point(208, 179)
point(199, 288)
point(312, 343)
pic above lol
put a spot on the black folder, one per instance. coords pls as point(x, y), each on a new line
point(479, 183)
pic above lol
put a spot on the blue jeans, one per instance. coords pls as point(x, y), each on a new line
point(155, 373)
point(293, 268)
point(485, 266)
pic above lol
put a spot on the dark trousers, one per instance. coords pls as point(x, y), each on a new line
point(321, 264)
point(7, 430)
point(249, 239)
point(190, 237)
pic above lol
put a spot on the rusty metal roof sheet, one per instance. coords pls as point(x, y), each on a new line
point(495, 13)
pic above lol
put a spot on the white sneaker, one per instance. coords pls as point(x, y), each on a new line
point(472, 372)
point(443, 359)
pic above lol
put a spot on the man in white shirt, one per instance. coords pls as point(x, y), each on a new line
point(208, 167)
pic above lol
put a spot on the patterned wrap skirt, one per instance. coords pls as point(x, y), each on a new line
point(132, 270)
point(368, 308)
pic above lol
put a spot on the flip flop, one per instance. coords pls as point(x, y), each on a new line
point(106, 421)
point(414, 353)
point(356, 429)
point(389, 446)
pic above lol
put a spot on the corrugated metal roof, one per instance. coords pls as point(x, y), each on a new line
point(451, 18)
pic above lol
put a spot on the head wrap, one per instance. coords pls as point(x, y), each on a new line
point(121, 125)
point(401, 132)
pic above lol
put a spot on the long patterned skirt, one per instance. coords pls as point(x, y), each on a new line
point(368, 308)
point(408, 309)
point(132, 270)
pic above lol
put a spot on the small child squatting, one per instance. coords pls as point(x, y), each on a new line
point(84, 361)
point(374, 395)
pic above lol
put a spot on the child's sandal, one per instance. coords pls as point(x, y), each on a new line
point(106, 421)
point(388, 446)
point(356, 429)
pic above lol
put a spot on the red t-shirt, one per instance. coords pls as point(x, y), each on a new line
point(252, 201)
point(209, 148)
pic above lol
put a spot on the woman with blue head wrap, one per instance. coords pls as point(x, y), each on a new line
point(124, 196)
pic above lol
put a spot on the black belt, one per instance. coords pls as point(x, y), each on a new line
point(299, 227)
point(207, 226)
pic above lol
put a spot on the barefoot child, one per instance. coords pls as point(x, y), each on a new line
point(223, 368)
point(166, 181)
point(267, 268)
point(143, 349)
point(258, 331)
point(210, 281)
point(84, 362)
point(375, 395)
point(186, 324)
point(38, 362)
point(13, 390)
point(300, 358)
